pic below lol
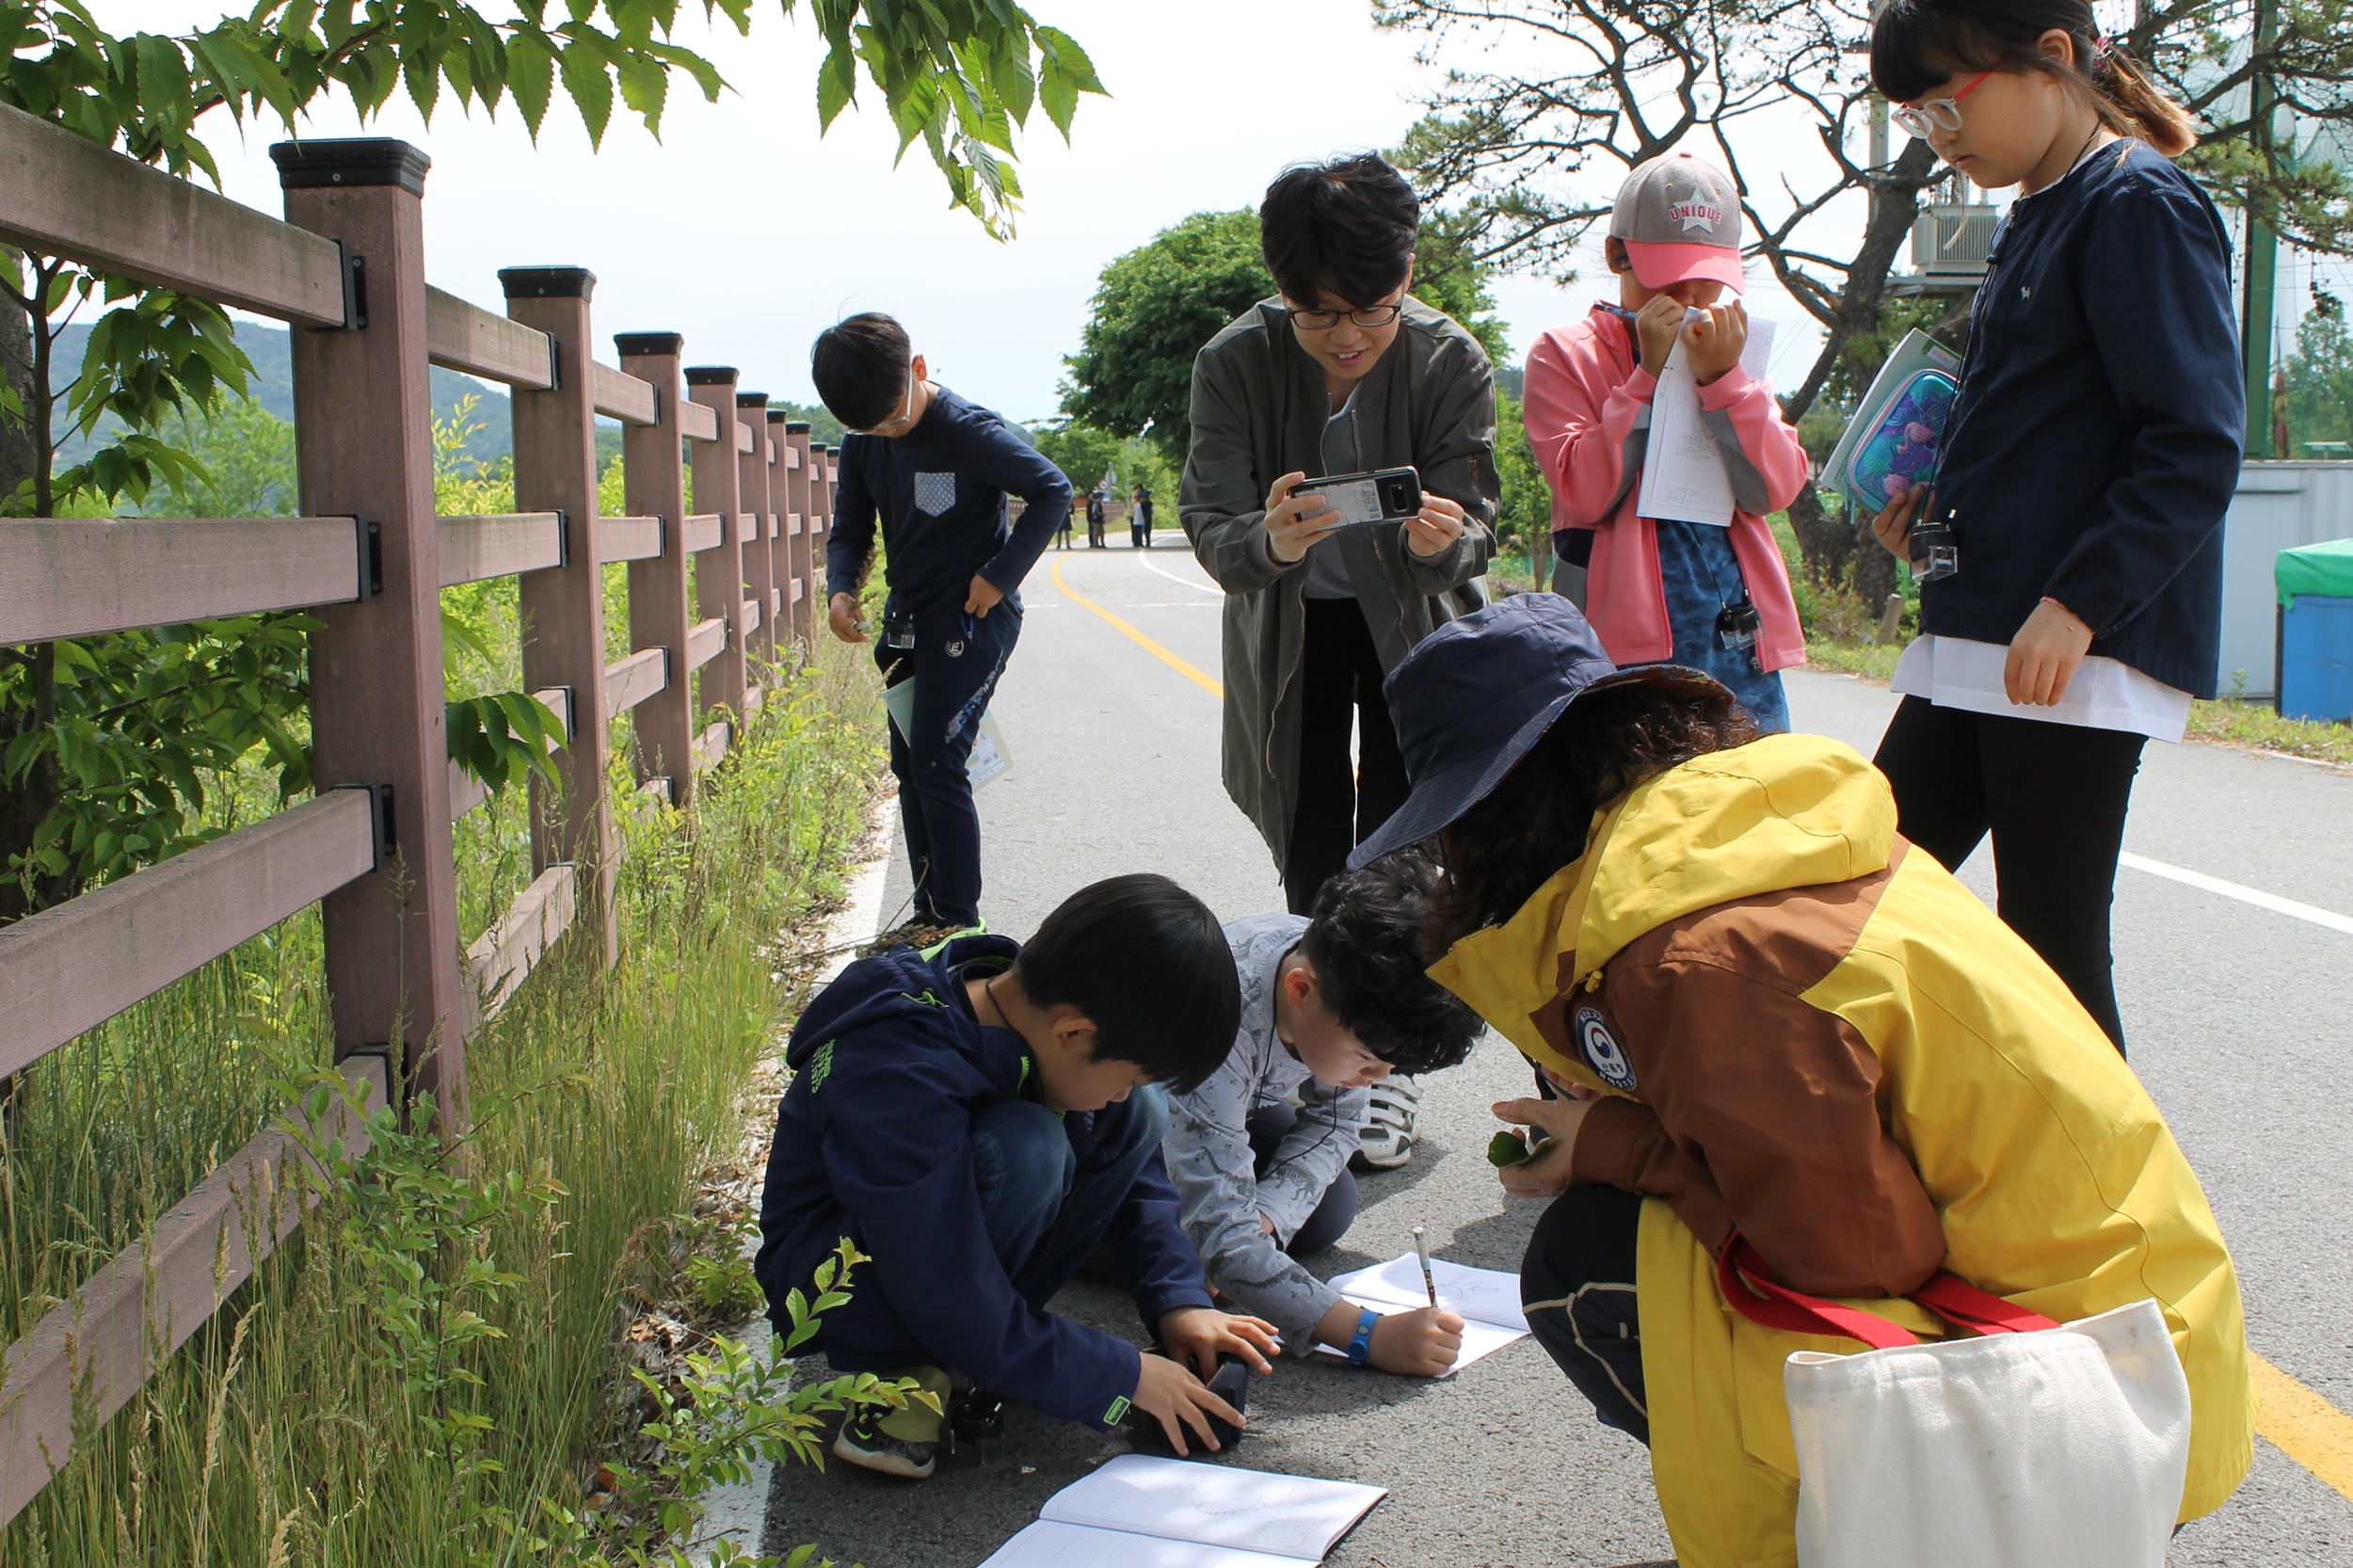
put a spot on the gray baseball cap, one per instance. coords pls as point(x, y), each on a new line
point(1680, 219)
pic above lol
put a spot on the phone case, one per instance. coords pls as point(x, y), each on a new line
point(1900, 454)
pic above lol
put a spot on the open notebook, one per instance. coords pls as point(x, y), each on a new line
point(1487, 1300)
point(1137, 1511)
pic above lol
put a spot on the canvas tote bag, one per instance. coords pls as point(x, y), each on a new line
point(2032, 1445)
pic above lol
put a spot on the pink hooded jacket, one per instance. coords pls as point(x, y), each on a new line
point(1584, 390)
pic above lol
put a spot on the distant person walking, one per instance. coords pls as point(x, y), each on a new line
point(1139, 519)
point(1094, 519)
point(1061, 530)
point(2086, 468)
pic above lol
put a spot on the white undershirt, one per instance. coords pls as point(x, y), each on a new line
point(2106, 694)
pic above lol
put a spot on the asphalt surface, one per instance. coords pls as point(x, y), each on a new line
point(2237, 1016)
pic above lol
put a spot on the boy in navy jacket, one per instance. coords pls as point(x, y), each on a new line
point(935, 470)
point(977, 1118)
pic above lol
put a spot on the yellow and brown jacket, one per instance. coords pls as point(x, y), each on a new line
point(1806, 1030)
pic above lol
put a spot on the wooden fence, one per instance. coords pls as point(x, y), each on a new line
point(369, 558)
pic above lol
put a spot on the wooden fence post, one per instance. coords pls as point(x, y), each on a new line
point(760, 573)
point(563, 606)
point(363, 441)
point(654, 479)
point(820, 496)
point(792, 521)
point(719, 573)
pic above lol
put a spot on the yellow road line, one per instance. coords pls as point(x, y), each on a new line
point(2299, 1422)
point(2303, 1426)
point(1200, 678)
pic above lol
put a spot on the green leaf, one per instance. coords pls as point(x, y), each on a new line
point(531, 76)
point(588, 81)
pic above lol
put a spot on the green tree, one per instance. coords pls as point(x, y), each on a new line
point(2320, 375)
point(248, 458)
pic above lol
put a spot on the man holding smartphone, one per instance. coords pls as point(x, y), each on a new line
point(1342, 373)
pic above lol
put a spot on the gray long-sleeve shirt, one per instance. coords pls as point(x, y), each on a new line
point(1208, 1150)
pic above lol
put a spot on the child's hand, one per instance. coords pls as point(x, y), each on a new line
point(1198, 1335)
point(1656, 325)
point(2046, 655)
point(982, 597)
point(1418, 1344)
point(1169, 1393)
point(1548, 1175)
point(841, 615)
point(1893, 526)
point(1715, 339)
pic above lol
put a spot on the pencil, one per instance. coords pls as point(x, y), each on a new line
point(1421, 1248)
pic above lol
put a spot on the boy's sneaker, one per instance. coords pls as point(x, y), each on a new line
point(1390, 1133)
point(925, 936)
point(896, 1441)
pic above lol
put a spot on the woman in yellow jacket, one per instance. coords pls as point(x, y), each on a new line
point(1768, 1014)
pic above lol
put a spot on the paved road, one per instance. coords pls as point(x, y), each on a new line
point(2237, 1018)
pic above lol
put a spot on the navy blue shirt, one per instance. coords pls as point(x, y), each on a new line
point(2094, 446)
point(940, 492)
point(874, 1142)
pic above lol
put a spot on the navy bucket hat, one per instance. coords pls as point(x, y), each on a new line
point(1471, 698)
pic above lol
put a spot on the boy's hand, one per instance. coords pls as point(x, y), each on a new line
point(1291, 520)
point(1418, 1344)
point(1198, 1335)
point(1656, 325)
point(1548, 1175)
point(1434, 533)
point(841, 615)
point(1169, 1393)
point(983, 596)
point(1715, 339)
point(2046, 655)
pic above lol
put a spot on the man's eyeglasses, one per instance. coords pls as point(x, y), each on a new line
point(1934, 114)
point(1323, 321)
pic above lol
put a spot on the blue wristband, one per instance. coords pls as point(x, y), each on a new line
point(1360, 1348)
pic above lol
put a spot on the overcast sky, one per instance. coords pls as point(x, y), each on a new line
point(748, 232)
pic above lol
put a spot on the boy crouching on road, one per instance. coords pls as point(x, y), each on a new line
point(977, 1118)
point(1330, 1005)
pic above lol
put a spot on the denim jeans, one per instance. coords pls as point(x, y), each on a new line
point(1046, 1207)
point(956, 664)
point(1701, 575)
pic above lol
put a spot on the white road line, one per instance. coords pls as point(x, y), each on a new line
point(2255, 896)
point(1197, 587)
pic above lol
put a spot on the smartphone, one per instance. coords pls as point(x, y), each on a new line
point(1386, 496)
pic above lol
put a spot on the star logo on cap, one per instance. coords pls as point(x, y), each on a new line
point(1692, 220)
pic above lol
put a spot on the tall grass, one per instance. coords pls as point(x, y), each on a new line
point(424, 1371)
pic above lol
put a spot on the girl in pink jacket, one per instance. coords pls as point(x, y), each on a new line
point(1658, 590)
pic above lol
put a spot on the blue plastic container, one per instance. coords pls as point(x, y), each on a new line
point(2317, 658)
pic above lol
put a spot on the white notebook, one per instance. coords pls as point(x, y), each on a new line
point(1139, 1512)
point(1487, 1300)
point(1683, 469)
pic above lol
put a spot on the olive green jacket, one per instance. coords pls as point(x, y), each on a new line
point(1259, 408)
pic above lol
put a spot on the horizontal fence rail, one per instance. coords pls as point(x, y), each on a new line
point(705, 530)
point(460, 335)
point(87, 1357)
point(505, 956)
point(635, 679)
point(629, 540)
point(475, 548)
point(704, 642)
point(70, 196)
point(620, 396)
point(70, 968)
point(698, 422)
point(71, 578)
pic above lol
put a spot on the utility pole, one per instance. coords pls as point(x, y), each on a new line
point(2263, 248)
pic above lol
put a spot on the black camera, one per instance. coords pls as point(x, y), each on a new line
point(1934, 551)
point(898, 630)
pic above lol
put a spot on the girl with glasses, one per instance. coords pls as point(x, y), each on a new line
point(2084, 472)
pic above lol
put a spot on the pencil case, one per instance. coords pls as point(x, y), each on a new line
point(1900, 454)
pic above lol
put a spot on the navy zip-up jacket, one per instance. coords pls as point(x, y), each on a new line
point(2095, 443)
point(873, 1141)
point(940, 491)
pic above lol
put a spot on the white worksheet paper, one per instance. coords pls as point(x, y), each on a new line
point(991, 758)
point(1049, 1544)
point(1269, 1518)
point(1486, 1300)
point(1683, 469)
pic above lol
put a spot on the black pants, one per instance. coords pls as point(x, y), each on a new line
point(1577, 1286)
point(1341, 801)
point(955, 663)
point(2054, 796)
point(1268, 1126)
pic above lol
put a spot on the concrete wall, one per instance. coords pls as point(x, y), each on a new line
point(2279, 506)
